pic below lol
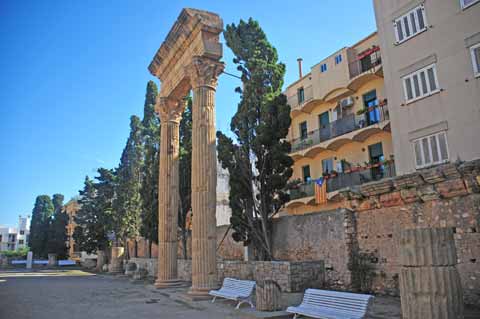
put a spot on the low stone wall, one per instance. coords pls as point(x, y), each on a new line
point(184, 268)
point(319, 236)
point(150, 264)
point(290, 276)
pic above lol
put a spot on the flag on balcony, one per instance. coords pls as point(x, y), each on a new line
point(320, 191)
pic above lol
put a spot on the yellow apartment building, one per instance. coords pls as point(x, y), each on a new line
point(340, 131)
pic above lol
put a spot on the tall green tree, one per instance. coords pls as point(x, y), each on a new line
point(258, 160)
point(39, 227)
point(94, 219)
point(127, 204)
point(57, 234)
point(150, 168)
point(185, 172)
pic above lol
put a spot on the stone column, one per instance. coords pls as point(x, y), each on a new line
point(170, 113)
point(430, 286)
point(203, 73)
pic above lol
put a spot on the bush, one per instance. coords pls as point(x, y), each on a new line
point(19, 253)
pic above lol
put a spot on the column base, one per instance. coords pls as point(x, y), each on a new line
point(196, 295)
point(172, 283)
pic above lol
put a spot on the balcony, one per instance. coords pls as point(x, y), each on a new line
point(299, 100)
point(347, 124)
point(359, 176)
point(354, 176)
point(367, 61)
point(303, 190)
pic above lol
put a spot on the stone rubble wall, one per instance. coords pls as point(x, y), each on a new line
point(318, 236)
point(444, 196)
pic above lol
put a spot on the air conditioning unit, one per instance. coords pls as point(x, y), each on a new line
point(346, 102)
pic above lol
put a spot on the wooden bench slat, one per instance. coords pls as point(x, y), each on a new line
point(332, 304)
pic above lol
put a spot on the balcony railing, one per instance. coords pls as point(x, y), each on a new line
point(355, 177)
point(295, 102)
point(342, 126)
point(365, 63)
point(351, 177)
point(303, 190)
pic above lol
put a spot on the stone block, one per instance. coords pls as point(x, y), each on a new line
point(431, 293)
point(409, 195)
point(433, 175)
point(427, 247)
point(427, 193)
point(451, 188)
point(408, 181)
point(391, 199)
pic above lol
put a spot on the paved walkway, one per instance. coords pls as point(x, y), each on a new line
point(74, 294)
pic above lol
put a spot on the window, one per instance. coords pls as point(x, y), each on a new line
point(22, 232)
point(467, 3)
point(300, 95)
point(475, 52)
point(303, 130)
point(338, 59)
point(410, 24)
point(306, 173)
point(323, 67)
point(327, 166)
point(20, 242)
point(431, 150)
point(420, 83)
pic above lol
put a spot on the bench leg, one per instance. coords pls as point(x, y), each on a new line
point(214, 298)
point(243, 301)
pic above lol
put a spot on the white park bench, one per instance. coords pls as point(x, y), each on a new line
point(19, 262)
point(235, 289)
point(66, 262)
point(331, 304)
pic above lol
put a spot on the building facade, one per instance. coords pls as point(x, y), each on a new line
point(12, 238)
point(340, 130)
point(431, 64)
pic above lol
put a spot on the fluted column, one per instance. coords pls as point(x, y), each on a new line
point(170, 113)
point(203, 73)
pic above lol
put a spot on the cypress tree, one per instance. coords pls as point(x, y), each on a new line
point(150, 168)
point(127, 204)
point(39, 227)
point(57, 235)
point(185, 172)
point(258, 161)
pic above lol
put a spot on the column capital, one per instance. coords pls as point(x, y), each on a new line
point(170, 109)
point(204, 71)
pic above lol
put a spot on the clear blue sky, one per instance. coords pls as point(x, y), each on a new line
point(73, 72)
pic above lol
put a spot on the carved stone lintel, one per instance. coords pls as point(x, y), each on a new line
point(170, 110)
point(204, 71)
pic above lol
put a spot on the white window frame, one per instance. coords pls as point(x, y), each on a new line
point(422, 153)
point(462, 4)
point(421, 88)
point(400, 20)
point(476, 66)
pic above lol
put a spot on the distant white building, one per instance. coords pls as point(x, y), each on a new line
point(12, 238)
point(223, 190)
point(23, 231)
